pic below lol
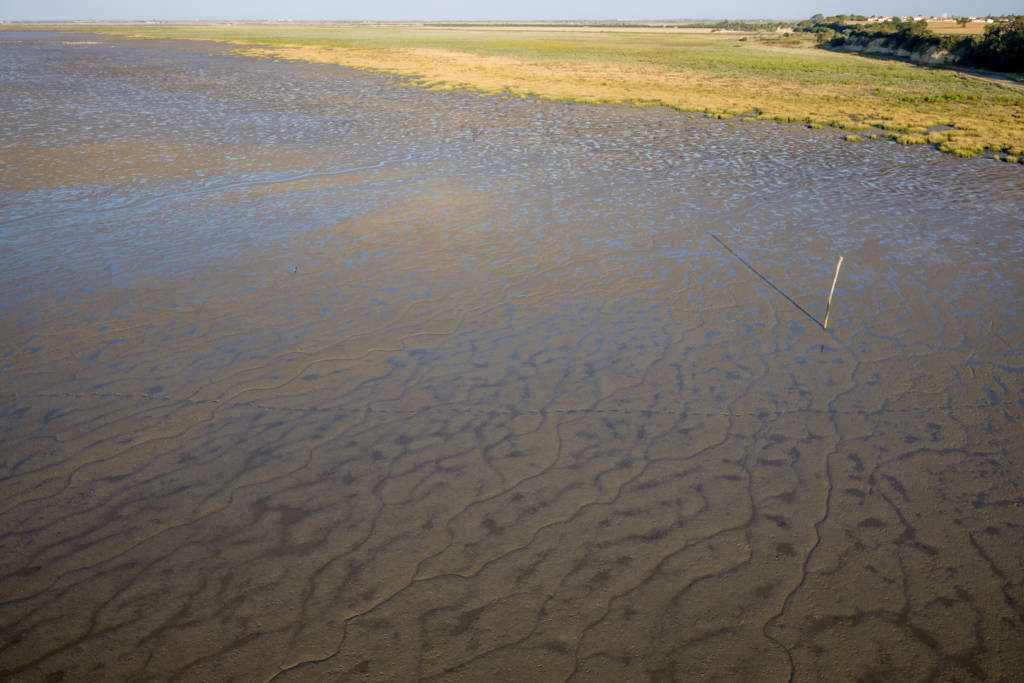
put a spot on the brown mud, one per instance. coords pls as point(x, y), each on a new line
point(309, 377)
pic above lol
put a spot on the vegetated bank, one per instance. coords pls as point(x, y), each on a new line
point(766, 75)
point(1000, 48)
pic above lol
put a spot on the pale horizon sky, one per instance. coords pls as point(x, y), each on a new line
point(474, 10)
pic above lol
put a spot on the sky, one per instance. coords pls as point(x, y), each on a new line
point(478, 10)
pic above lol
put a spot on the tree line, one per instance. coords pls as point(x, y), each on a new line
point(1000, 48)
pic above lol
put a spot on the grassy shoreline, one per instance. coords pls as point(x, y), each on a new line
point(764, 75)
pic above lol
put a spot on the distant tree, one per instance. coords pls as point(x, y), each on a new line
point(1004, 43)
point(963, 21)
point(1000, 48)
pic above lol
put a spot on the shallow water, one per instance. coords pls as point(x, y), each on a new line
point(312, 376)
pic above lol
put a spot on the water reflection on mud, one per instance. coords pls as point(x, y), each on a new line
point(308, 375)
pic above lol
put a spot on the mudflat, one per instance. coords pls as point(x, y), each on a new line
point(306, 376)
point(775, 76)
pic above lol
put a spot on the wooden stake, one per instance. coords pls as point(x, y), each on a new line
point(828, 304)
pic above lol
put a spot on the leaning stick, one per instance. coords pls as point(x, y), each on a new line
point(828, 304)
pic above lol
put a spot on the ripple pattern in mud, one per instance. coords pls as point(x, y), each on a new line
point(308, 377)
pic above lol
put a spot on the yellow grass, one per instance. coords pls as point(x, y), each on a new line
point(951, 27)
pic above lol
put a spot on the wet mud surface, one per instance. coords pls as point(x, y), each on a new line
point(307, 376)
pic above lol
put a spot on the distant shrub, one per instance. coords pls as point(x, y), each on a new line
point(741, 25)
